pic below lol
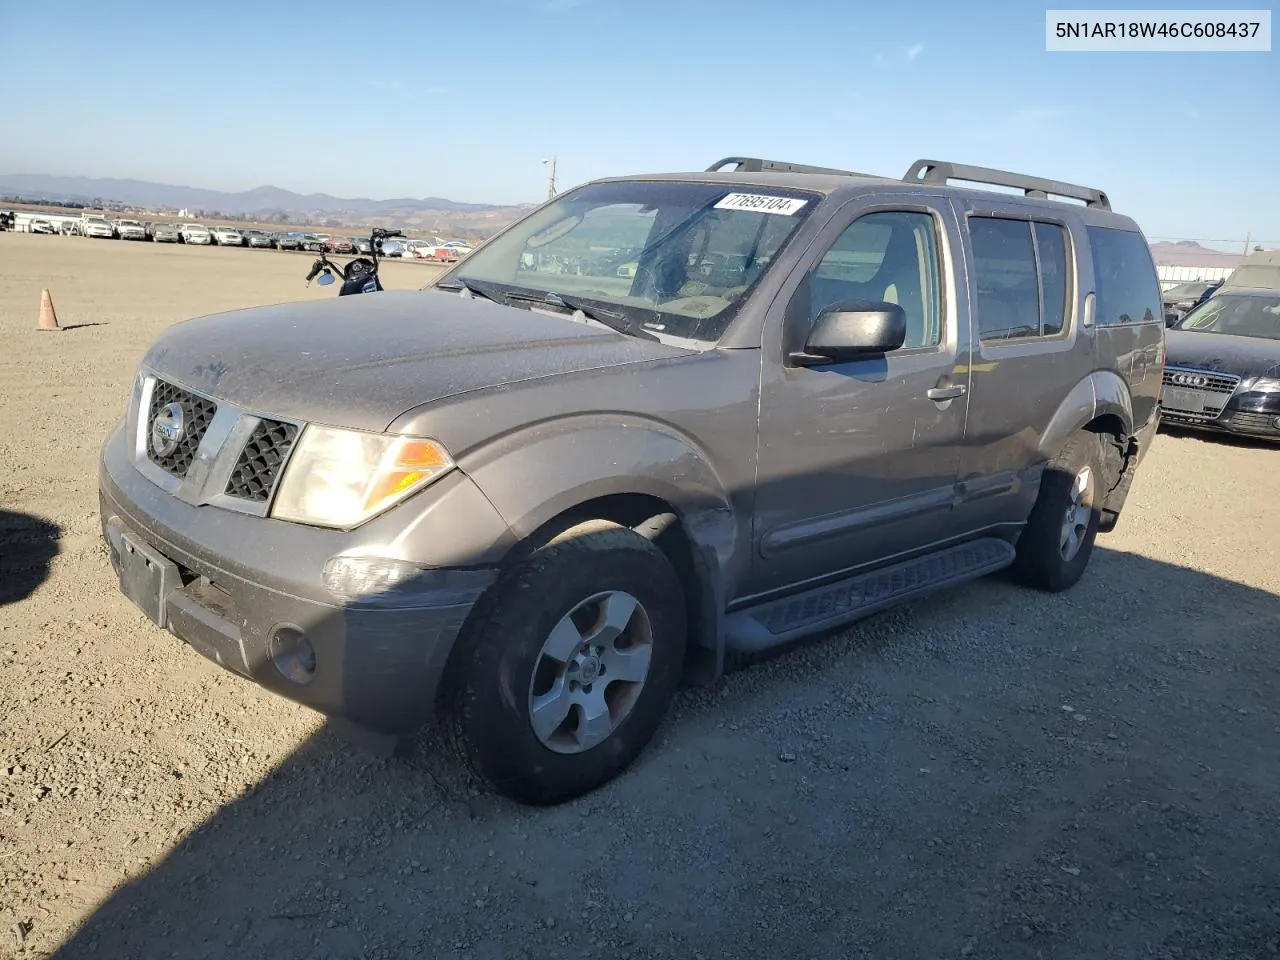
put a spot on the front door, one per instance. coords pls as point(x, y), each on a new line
point(858, 461)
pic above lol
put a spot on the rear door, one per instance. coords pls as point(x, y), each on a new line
point(1028, 349)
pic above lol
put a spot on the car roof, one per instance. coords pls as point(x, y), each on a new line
point(930, 175)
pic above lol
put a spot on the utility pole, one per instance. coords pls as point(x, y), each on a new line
point(1247, 238)
point(551, 179)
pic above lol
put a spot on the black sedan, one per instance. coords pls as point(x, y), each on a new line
point(1222, 365)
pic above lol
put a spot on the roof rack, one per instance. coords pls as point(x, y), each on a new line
point(756, 165)
point(940, 171)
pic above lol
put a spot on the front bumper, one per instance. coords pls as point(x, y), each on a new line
point(242, 590)
point(1247, 414)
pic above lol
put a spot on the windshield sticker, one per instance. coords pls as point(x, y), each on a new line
point(762, 203)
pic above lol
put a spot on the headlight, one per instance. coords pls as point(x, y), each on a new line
point(1265, 385)
point(341, 478)
point(135, 392)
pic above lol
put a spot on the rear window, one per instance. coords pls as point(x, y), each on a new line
point(1124, 276)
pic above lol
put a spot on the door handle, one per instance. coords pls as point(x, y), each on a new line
point(947, 393)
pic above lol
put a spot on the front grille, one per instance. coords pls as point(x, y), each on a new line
point(197, 414)
point(1214, 382)
point(1200, 398)
point(1260, 422)
point(258, 467)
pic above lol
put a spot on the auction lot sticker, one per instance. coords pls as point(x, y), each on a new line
point(761, 203)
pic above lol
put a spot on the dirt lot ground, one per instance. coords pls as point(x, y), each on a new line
point(992, 773)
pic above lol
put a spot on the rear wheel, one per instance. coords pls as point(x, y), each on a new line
point(567, 670)
point(1056, 544)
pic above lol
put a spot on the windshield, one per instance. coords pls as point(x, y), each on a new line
point(677, 258)
point(1185, 291)
point(1237, 316)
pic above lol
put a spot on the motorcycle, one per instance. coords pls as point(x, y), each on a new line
point(359, 275)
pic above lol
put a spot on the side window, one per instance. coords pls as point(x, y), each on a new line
point(1125, 277)
point(1051, 252)
point(1021, 272)
point(1004, 268)
point(889, 256)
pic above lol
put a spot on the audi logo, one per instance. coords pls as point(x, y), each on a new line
point(1190, 380)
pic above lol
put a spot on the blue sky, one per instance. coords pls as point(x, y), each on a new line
point(464, 100)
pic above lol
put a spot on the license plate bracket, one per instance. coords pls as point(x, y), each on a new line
point(147, 578)
point(1183, 400)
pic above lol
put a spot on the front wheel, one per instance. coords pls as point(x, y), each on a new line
point(1056, 544)
point(567, 669)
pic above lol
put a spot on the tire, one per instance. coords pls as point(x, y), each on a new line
point(500, 665)
point(1045, 558)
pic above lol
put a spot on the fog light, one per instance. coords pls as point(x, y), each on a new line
point(1276, 422)
point(292, 654)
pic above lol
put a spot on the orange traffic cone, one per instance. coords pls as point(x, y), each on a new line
point(48, 317)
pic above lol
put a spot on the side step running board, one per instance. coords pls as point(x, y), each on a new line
point(788, 618)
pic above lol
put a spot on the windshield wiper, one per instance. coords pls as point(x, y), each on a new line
point(477, 288)
point(610, 319)
point(494, 292)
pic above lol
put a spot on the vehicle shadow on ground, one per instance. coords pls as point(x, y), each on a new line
point(27, 547)
point(935, 781)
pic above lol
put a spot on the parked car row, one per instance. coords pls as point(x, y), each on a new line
point(436, 250)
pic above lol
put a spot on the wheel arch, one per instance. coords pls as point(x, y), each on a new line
point(1100, 404)
point(642, 476)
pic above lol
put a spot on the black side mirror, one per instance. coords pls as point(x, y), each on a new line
point(853, 330)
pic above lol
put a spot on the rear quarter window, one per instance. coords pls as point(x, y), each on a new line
point(1124, 277)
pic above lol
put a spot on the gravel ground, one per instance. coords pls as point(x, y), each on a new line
point(989, 773)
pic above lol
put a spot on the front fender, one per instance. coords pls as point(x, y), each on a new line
point(1101, 393)
point(535, 474)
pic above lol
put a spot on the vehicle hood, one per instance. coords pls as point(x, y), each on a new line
point(1243, 356)
point(361, 361)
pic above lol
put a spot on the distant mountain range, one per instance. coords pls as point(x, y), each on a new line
point(262, 200)
point(1188, 253)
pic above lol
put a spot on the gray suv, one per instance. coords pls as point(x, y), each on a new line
point(659, 421)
